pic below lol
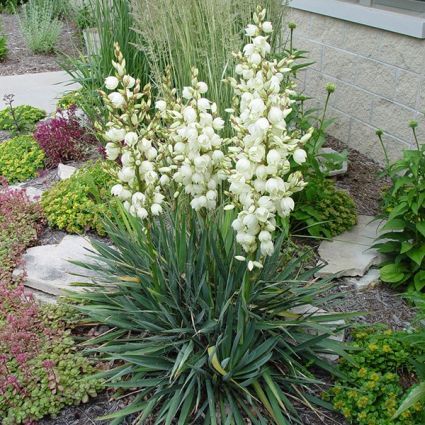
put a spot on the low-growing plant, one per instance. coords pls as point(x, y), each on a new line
point(79, 203)
point(21, 221)
point(10, 6)
point(19, 119)
point(64, 137)
point(375, 379)
point(69, 99)
point(3, 47)
point(40, 26)
point(20, 159)
point(402, 238)
point(196, 334)
point(324, 211)
point(40, 370)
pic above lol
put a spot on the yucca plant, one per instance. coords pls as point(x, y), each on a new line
point(194, 335)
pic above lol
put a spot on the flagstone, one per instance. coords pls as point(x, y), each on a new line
point(350, 254)
point(48, 268)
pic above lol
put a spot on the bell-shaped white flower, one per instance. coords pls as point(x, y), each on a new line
point(111, 83)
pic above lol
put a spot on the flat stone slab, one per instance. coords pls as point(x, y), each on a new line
point(65, 171)
point(368, 281)
point(33, 193)
point(350, 253)
point(48, 268)
point(41, 90)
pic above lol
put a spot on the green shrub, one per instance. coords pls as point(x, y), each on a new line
point(3, 47)
point(375, 376)
point(78, 204)
point(40, 26)
point(20, 159)
point(402, 238)
point(19, 118)
point(324, 211)
point(69, 99)
point(197, 334)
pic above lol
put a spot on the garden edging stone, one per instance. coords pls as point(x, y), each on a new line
point(350, 254)
point(48, 269)
point(65, 171)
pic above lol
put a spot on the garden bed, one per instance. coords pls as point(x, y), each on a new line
point(20, 60)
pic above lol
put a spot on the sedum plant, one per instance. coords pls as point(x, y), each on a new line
point(179, 148)
point(40, 26)
point(402, 238)
point(21, 222)
point(20, 159)
point(198, 337)
point(374, 380)
point(324, 211)
point(79, 203)
point(40, 370)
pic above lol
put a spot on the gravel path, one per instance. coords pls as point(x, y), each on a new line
point(21, 60)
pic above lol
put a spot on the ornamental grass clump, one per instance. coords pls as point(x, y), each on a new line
point(64, 137)
point(178, 149)
point(40, 26)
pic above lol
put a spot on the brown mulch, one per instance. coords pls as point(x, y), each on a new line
point(20, 60)
point(363, 180)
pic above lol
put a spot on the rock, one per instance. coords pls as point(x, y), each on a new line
point(350, 254)
point(331, 173)
point(41, 297)
point(311, 310)
point(33, 193)
point(65, 171)
point(368, 281)
point(48, 268)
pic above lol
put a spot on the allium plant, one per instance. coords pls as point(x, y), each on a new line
point(63, 138)
point(178, 149)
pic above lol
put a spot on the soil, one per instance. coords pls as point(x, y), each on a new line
point(363, 179)
point(20, 60)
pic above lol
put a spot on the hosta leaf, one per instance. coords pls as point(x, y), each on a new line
point(420, 227)
point(395, 224)
point(419, 280)
point(405, 247)
point(417, 254)
point(392, 273)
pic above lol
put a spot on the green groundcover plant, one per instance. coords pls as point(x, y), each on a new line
point(40, 369)
point(20, 118)
point(376, 377)
point(78, 204)
point(21, 222)
point(20, 159)
point(402, 238)
point(196, 333)
point(3, 47)
point(324, 211)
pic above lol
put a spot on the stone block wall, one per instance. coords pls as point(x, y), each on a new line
point(379, 75)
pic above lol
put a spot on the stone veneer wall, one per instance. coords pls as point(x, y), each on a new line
point(380, 79)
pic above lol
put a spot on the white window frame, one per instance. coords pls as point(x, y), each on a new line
point(398, 21)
